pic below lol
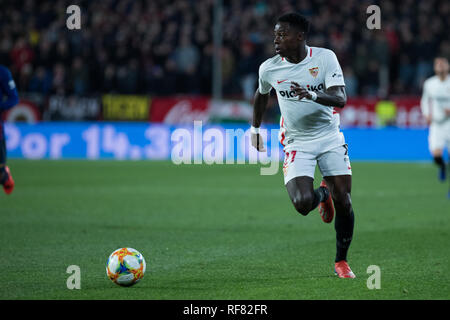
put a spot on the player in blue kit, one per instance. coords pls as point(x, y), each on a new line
point(8, 99)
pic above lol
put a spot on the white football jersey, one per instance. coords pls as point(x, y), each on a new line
point(436, 98)
point(303, 122)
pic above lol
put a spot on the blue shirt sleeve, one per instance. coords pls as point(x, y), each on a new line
point(8, 89)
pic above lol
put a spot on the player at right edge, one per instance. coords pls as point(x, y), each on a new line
point(309, 83)
point(435, 105)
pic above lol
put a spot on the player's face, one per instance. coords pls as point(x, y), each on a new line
point(286, 39)
point(441, 66)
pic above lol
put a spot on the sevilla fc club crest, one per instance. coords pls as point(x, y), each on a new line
point(314, 71)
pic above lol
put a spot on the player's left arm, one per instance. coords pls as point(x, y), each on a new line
point(8, 88)
point(334, 96)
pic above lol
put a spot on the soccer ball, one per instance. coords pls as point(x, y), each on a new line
point(125, 266)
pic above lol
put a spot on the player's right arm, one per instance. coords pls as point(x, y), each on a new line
point(260, 102)
point(425, 103)
point(259, 106)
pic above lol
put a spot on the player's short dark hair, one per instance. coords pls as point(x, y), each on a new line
point(295, 20)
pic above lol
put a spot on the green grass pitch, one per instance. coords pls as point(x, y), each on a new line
point(218, 232)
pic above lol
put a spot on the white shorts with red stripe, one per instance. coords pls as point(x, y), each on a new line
point(333, 162)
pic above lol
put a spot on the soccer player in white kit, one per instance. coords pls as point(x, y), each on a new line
point(309, 83)
point(435, 104)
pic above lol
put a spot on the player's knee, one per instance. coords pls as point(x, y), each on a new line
point(342, 201)
point(303, 203)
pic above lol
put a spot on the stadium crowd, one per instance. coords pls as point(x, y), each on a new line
point(166, 47)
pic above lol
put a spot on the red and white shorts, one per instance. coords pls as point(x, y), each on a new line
point(333, 162)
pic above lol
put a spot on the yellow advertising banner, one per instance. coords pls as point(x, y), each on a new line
point(125, 107)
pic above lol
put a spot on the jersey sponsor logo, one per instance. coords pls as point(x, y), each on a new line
point(314, 88)
point(336, 75)
point(281, 81)
point(287, 94)
point(314, 71)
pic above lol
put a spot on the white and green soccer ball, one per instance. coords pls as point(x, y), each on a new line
point(125, 266)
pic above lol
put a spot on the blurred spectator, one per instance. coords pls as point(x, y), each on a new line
point(228, 67)
point(109, 79)
point(370, 80)
point(45, 55)
point(165, 47)
point(21, 54)
point(63, 55)
point(407, 71)
point(351, 82)
point(186, 58)
point(5, 48)
point(246, 71)
point(59, 84)
point(41, 82)
point(169, 79)
point(25, 74)
point(80, 77)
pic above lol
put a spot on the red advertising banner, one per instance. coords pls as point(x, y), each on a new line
point(359, 112)
point(400, 112)
point(180, 110)
point(25, 111)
